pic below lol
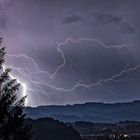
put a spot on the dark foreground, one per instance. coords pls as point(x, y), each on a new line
point(50, 129)
point(124, 130)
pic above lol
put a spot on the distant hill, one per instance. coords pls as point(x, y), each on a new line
point(92, 112)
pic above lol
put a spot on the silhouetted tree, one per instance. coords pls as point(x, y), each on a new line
point(12, 120)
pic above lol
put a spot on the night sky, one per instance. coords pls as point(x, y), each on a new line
point(73, 51)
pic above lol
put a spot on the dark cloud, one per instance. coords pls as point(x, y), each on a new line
point(103, 18)
point(35, 27)
point(125, 28)
point(72, 19)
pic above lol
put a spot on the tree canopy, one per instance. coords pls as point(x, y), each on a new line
point(13, 125)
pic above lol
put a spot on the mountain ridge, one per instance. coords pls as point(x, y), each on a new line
point(90, 111)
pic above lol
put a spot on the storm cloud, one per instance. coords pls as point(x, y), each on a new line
point(107, 18)
point(72, 19)
point(73, 51)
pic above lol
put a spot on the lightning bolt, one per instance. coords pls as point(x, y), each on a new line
point(24, 88)
point(47, 84)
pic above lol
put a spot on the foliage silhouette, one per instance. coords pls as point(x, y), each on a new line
point(12, 119)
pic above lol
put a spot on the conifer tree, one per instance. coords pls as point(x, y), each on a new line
point(13, 125)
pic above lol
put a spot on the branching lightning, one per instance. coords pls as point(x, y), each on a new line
point(47, 84)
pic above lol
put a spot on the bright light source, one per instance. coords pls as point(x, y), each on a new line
point(23, 85)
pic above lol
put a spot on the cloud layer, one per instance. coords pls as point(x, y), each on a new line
point(73, 51)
